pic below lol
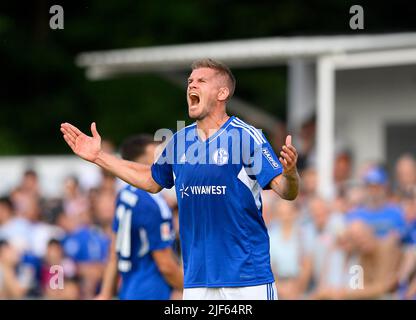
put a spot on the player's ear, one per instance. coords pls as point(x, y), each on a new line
point(223, 93)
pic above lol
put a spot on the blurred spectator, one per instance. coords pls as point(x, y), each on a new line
point(379, 261)
point(27, 189)
point(40, 232)
point(15, 230)
point(72, 289)
point(309, 182)
point(321, 233)
point(102, 199)
point(12, 284)
point(351, 199)
point(75, 203)
point(335, 272)
point(385, 218)
point(104, 207)
point(288, 251)
point(269, 199)
point(306, 148)
point(405, 174)
point(407, 273)
point(342, 170)
point(108, 146)
point(409, 209)
point(308, 189)
point(88, 247)
point(86, 244)
point(30, 183)
point(109, 183)
point(55, 257)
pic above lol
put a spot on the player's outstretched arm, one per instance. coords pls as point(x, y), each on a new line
point(89, 148)
point(286, 185)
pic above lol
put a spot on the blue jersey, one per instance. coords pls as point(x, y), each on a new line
point(218, 181)
point(382, 220)
point(86, 244)
point(143, 223)
point(409, 235)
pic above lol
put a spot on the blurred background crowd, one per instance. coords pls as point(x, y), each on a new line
point(360, 245)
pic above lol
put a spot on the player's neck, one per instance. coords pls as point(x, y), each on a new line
point(211, 124)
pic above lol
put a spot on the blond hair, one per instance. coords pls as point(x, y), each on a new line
point(221, 68)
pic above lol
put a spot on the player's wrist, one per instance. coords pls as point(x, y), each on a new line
point(100, 159)
point(291, 173)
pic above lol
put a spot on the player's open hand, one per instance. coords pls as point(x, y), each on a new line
point(288, 156)
point(82, 145)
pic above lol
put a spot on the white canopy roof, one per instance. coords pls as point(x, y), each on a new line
point(250, 52)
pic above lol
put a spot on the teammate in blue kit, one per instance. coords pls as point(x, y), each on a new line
point(141, 248)
point(219, 165)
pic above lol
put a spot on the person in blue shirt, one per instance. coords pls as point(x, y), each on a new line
point(385, 218)
point(87, 244)
point(218, 165)
point(141, 248)
point(407, 273)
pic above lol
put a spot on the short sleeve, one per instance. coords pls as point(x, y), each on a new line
point(162, 169)
point(158, 226)
point(264, 165)
point(116, 222)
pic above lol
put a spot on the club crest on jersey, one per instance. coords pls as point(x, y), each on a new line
point(220, 156)
point(269, 158)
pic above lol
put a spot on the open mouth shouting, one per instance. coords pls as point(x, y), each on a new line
point(193, 98)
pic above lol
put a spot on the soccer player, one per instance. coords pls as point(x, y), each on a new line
point(218, 165)
point(141, 246)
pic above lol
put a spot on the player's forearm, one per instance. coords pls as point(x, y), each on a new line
point(174, 278)
point(173, 274)
point(136, 174)
point(109, 285)
point(287, 185)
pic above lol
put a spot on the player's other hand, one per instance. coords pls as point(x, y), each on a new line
point(84, 146)
point(288, 156)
